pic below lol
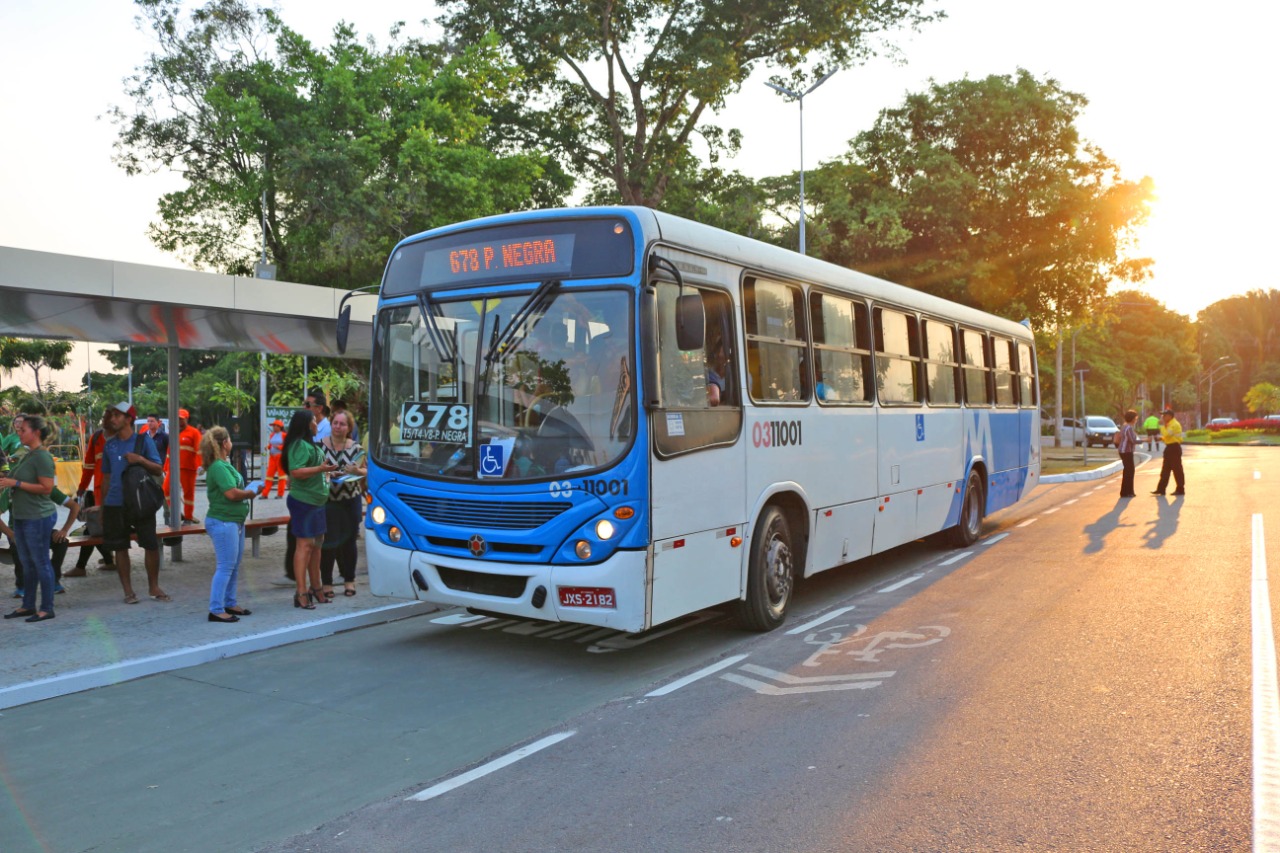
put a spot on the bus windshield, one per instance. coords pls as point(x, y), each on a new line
point(514, 386)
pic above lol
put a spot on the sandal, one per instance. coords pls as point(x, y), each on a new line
point(350, 590)
point(164, 596)
point(303, 601)
point(131, 598)
point(320, 597)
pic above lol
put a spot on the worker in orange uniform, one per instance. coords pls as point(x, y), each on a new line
point(274, 449)
point(188, 464)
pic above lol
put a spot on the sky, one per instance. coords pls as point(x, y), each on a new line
point(1182, 94)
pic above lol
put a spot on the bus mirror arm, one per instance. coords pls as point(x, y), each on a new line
point(344, 316)
point(691, 319)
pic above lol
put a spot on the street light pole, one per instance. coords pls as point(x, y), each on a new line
point(800, 97)
point(1212, 373)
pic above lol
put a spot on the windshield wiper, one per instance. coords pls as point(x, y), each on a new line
point(442, 341)
point(514, 333)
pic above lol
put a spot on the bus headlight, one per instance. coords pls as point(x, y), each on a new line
point(605, 529)
point(583, 549)
point(378, 514)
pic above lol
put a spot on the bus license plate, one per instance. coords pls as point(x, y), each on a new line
point(587, 596)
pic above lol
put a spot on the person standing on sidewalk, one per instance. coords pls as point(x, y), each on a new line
point(1126, 443)
point(1171, 435)
point(188, 465)
point(343, 511)
point(224, 521)
point(308, 494)
point(117, 524)
point(275, 473)
point(33, 515)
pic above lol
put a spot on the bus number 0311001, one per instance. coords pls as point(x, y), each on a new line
point(599, 488)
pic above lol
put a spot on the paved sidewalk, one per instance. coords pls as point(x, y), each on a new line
point(97, 639)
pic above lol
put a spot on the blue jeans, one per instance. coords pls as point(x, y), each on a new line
point(228, 548)
point(33, 547)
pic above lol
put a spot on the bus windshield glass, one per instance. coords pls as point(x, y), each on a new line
point(514, 386)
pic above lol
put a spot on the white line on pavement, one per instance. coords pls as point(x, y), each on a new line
point(1028, 521)
point(1266, 706)
point(1052, 510)
point(994, 539)
point(900, 584)
point(485, 769)
point(808, 626)
point(702, 673)
point(957, 558)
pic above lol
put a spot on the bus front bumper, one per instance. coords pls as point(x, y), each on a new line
point(512, 588)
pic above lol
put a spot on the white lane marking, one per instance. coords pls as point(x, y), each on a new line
point(458, 619)
point(834, 614)
point(788, 678)
point(1257, 475)
point(692, 677)
point(1051, 510)
point(957, 558)
point(900, 584)
point(994, 539)
point(1029, 521)
point(485, 769)
point(1266, 706)
point(1070, 502)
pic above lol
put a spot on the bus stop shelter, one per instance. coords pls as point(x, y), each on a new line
point(66, 297)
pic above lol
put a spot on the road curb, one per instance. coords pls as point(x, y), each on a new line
point(116, 673)
point(1096, 473)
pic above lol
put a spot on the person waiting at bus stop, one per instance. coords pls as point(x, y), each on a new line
point(33, 516)
point(117, 525)
point(305, 465)
point(188, 465)
point(1171, 435)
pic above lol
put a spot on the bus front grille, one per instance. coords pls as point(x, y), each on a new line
point(502, 586)
point(501, 515)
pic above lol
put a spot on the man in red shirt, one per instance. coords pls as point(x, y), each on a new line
point(188, 464)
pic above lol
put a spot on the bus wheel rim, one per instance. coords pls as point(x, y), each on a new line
point(778, 573)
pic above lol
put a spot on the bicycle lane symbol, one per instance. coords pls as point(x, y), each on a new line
point(856, 644)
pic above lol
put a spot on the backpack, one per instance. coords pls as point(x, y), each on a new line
point(143, 491)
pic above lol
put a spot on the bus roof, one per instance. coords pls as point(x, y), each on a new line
point(657, 226)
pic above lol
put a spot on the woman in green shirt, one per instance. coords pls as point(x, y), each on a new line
point(33, 515)
point(224, 521)
point(305, 466)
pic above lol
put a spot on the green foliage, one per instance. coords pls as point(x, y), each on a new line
point(982, 192)
point(1263, 399)
point(36, 355)
point(342, 150)
point(619, 89)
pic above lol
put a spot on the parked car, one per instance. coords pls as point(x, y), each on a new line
point(1095, 429)
point(1221, 422)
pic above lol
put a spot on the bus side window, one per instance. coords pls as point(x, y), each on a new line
point(1026, 377)
point(1003, 374)
point(897, 357)
point(977, 369)
point(776, 341)
point(942, 366)
point(842, 349)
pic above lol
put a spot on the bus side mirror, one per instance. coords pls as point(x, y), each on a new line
point(691, 322)
point(344, 328)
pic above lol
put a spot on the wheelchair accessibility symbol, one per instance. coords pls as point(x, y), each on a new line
point(491, 460)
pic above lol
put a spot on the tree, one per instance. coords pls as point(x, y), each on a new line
point(37, 355)
point(981, 191)
point(1263, 398)
point(620, 87)
point(342, 151)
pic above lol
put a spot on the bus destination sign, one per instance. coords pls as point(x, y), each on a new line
point(541, 257)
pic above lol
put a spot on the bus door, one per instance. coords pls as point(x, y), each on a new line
point(698, 467)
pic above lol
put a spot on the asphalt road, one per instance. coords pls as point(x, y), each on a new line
point(1079, 680)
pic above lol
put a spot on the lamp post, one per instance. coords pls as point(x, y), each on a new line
point(1214, 371)
point(800, 97)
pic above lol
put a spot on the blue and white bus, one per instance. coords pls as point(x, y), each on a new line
point(615, 417)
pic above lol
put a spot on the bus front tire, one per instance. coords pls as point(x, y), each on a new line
point(966, 532)
point(770, 574)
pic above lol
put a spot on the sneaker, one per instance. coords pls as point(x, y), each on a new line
point(17, 593)
point(57, 588)
point(277, 582)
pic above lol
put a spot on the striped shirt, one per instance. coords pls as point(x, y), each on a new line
point(1128, 439)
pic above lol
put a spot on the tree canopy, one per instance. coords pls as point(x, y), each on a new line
point(16, 353)
point(982, 191)
point(342, 150)
point(620, 88)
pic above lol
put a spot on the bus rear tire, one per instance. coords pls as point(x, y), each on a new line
point(967, 531)
point(770, 574)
